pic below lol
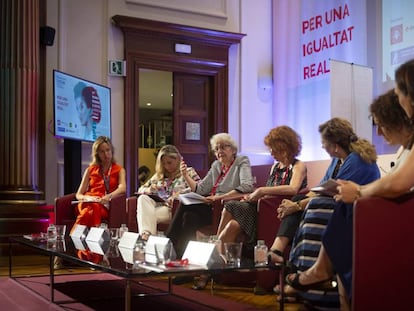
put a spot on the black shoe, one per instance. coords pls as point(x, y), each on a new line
point(275, 256)
point(180, 280)
point(323, 285)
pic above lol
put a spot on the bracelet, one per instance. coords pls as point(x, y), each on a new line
point(359, 193)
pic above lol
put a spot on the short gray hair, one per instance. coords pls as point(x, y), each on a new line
point(222, 137)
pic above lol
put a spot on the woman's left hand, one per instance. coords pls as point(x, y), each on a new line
point(286, 208)
point(212, 198)
point(170, 201)
point(254, 196)
point(106, 199)
point(348, 191)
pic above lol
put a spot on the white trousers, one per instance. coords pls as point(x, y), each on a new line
point(150, 213)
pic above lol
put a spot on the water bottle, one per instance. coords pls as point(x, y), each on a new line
point(260, 253)
point(51, 233)
point(123, 229)
point(139, 252)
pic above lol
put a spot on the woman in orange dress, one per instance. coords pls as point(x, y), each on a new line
point(102, 180)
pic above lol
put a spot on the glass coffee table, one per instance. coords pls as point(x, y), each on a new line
point(108, 259)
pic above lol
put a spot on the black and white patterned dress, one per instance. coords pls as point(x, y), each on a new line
point(245, 213)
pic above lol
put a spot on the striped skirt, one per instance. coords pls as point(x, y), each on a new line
point(306, 246)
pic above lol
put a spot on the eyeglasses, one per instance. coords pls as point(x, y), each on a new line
point(222, 147)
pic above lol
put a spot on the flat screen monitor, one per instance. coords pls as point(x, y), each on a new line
point(82, 109)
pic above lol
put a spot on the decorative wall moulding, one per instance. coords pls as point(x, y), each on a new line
point(214, 8)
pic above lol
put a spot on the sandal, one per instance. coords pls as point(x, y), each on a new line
point(57, 263)
point(275, 253)
point(289, 290)
point(145, 235)
point(316, 285)
point(200, 283)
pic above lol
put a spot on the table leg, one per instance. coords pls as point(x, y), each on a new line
point(52, 277)
point(282, 287)
point(10, 259)
point(170, 287)
point(128, 295)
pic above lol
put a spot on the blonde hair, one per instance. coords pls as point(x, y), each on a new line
point(167, 151)
point(95, 147)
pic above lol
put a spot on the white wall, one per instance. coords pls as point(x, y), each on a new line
point(86, 39)
point(255, 115)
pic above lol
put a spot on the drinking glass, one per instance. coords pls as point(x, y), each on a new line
point(233, 252)
point(60, 232)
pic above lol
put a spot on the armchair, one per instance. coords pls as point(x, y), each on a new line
point(267, 227)
point(383, 241)
point(65, 211)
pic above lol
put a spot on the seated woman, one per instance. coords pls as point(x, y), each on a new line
point(352, 158)
point(167, 182)
point(103, 179)
point(287, 177)
point(394, 125)
point(230, 174)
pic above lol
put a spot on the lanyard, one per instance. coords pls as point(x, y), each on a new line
point(106, 179)
point(223, 174)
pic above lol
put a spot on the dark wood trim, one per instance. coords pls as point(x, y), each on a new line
point(151, 44)
point(140, 25)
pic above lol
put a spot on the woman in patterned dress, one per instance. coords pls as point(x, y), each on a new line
point(287, 177)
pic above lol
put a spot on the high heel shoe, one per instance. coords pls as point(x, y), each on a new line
point(276, 256)
point(325, 284)
point(201, 282)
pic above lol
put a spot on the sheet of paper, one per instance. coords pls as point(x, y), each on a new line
point(191, 198)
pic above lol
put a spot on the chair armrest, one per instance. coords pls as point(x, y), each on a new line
point(237, 197)
point(65, 210)
point(267, 221)
point(382, 252)
point(117, 211)
point(131, 211)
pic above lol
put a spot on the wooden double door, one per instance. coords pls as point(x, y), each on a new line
point(200, 82)
point(193, 115)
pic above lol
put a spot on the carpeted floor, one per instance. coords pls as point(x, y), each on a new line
point(105, 292)
point(36, 265)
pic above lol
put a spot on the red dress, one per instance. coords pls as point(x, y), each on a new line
point(91, 214)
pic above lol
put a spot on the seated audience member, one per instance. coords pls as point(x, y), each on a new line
point(167, 182)
point(287, 177)
point(103, 179)
point(336, 252)
point(229, 174)
point(143, 174)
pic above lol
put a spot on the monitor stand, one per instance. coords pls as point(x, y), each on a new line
point(72, 150)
